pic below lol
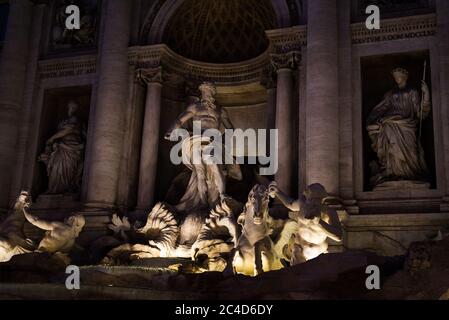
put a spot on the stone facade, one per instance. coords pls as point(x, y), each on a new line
point(307, 83)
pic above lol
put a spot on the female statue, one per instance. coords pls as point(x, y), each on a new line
point(392, 127)
point(64, 154)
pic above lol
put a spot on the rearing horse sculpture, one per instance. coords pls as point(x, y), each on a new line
point(255, 252)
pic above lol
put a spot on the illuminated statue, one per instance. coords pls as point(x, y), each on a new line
point(218, 241)
point(216, 237)
point(316, 222)
point(255, 251)
point(64, 154)
point(206, 187)
point(393, 128)
point(12, 239)
point(59, 237)
point(201, 226)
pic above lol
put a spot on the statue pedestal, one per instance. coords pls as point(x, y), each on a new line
point(402, 185)
point(57, 201)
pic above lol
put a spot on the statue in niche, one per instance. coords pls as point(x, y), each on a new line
point(393, 127)
point(12, 239)
point(64, 154)
point(201, 227)
point(85, 36)
point(316, 222)
point(206, 187)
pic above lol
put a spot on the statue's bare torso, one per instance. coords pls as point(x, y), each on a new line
point(210, 117)
point(316, 222)
point(310, 240)
point(208, 185)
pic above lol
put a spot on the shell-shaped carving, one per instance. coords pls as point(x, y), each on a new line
point(218, 234)
point(222, 210)
point(120, 226)
point(161, 229)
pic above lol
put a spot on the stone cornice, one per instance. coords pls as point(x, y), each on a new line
point(287, 39)
point(149, 57)
point(395, 29)
point(67, 67)
point(283, 42)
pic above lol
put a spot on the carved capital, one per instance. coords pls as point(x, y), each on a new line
point(288, 60)
point(147, 76)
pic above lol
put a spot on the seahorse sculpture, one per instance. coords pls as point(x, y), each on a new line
point(255, 251)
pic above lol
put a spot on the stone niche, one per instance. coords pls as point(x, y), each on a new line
point(376, 82)
point(55, 110)
point(247, 108)
point(61, 39)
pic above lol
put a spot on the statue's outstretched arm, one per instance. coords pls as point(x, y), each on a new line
point(181, 120)
point(289, 203)
point(41, 224)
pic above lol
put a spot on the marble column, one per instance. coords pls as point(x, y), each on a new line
point(322, 127)
point(346, 181)
point(284, 65)
point(20, 179)
point(150, 137)
point(112, 97)
point(13, 63)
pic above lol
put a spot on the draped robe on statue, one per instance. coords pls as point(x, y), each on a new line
point(64, 158)
point(392, 127)
point(208, 180)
